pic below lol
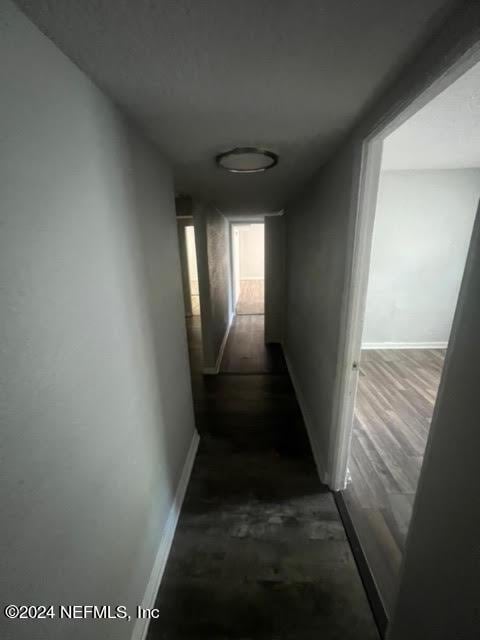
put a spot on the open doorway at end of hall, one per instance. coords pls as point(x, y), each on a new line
point(246, 351)
point(248, 267)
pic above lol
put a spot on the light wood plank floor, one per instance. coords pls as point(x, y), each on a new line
point(195, 304)
point(395, 399)
point(195, 297)
point(251, 297)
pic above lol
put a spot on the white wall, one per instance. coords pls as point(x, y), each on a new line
point(96, 415)
point(438, 591)
point(213, 265)
point(422, 230)
point(317, 228)
point(251, 251)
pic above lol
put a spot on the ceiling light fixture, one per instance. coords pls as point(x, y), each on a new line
point(247, 160)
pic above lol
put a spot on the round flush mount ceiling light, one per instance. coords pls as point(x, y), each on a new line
point(247, 160)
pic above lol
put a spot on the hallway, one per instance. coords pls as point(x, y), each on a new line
point(259, 551)
point(144, 146)
point(246, 351)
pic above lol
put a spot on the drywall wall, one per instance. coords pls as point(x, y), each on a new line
point(316, 253)
point(274, 277)
point(317, 306)
point(97, 415)
point(422, 229)
point(251, 241)
point(211, 237)
point(434, 137)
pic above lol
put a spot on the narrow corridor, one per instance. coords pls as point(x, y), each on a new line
point(245, 351)
point(260, 551)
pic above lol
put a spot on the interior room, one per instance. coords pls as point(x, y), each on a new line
point(428, 195)
point(248, 251)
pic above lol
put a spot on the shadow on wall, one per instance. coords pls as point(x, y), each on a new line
point(161, 274)
point(97, 409)
point(213, 265)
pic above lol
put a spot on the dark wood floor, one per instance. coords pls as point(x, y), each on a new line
point(260, 551)
point(251, 297)
point(246, 351)
point(395, 399)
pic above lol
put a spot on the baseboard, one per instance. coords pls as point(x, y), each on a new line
point(140, 628)
point(371, 589)
point(404, 345)
point(251, 278)
point(319, 462)
point(212, 371)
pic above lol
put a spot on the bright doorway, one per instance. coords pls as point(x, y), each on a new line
point(248, 265)
point(192, 269)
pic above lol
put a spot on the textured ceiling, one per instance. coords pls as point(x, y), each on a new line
point(445, 134)
point(201, 76)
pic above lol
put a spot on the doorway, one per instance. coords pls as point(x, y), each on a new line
point(419, 198)
point(246, 351)
point(192, 269)
point(248, 266)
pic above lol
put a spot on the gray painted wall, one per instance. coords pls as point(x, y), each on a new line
point(96, 415)
point(320, 235)
point(317, 232)
point(274, 277)
point(423, 224)
point(212, 243)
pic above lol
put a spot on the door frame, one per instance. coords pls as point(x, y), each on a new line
point(366, 179)
point(234, 267)
point(238, 221)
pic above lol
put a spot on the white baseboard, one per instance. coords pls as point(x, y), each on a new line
point(251, 278)
point(309, 424)
point(140, 628)
point(404, 345)
point(212, 371)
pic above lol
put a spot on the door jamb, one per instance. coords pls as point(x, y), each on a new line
point(339, 453)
